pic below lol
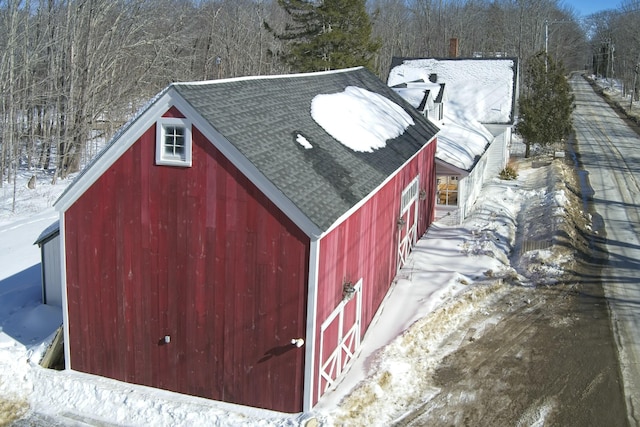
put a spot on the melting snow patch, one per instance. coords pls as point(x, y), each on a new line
point(561, 198)
point(359, 119)
point(536, 415)
point(303, 141)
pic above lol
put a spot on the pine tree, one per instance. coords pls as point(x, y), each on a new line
point(327, 35)
point(546, 106)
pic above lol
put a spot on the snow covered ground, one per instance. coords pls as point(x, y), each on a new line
point(452, 272)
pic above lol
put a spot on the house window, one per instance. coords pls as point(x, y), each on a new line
point(447, 190)
point(173, 142)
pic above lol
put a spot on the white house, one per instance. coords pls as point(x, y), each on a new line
point(473, 102)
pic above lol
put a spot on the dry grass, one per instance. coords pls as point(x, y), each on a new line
point(12, 410)
point(510, 172)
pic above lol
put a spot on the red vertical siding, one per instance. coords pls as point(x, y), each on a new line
point(200, 255)
point(365, 245)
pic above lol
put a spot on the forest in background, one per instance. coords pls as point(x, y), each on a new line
point(73, 71)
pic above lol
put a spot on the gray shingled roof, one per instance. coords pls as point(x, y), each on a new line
point(262, 117)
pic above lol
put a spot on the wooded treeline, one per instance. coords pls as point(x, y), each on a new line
point(615, 42)
point(73, 71)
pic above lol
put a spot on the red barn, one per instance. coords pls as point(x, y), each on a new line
point(225, 245)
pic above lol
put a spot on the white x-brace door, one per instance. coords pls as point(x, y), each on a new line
point(340, 339)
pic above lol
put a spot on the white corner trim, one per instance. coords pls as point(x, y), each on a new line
point(65, 304)
point(311, 325)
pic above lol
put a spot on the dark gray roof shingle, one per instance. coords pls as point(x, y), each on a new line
point(262, 117)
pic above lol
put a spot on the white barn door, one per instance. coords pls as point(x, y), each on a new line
point(408, 221)
point(340, 339)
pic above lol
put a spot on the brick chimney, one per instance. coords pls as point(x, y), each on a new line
point(453, 48)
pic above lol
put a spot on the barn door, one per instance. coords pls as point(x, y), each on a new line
point(340, 339)
point(408, 221)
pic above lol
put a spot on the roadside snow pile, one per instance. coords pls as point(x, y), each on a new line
point(548, 220)
point(541, 260)
point(493, 224)
point(616, 97)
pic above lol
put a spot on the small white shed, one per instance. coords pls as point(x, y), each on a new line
point(49, 243)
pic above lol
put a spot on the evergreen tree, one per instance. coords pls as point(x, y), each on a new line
point(327, 35)
point(546, 105)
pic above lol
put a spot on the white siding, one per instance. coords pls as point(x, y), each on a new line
point(51, 274)
point(488, 167)
point(498, 153)
point(473, 184)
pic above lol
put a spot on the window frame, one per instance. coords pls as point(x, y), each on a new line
point(448, 192)
point(161, 131)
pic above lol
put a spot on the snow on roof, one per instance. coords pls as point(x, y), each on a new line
point(482, 87)
point(415, 92)
point(47, 233)
point(303, 142)
point(461, 139)
point(360, 119)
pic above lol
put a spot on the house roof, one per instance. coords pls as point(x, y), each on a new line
point(485, 88)
point(48, 233)
point(268, 121)
point(462, 140)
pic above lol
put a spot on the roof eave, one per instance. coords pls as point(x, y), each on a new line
point(461, 171)
point(146, 118)
point(116, 147)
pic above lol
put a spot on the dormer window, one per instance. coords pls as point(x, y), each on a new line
point(173, 142)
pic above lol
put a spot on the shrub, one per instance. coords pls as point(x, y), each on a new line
point(509, 173)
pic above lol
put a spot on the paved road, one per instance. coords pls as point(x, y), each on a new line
point(609, 151)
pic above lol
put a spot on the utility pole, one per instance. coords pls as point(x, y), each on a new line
point(636, 69)
point(546, 40)
point(546, 36)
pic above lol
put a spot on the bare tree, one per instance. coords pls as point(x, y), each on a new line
point(10, 148)
point(72, 71)
point(626, 51)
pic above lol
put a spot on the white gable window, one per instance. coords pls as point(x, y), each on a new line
point(173, 142)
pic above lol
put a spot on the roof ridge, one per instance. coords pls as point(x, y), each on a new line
point(264, 77)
